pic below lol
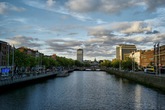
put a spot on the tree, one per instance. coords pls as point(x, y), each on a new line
point(78, 63)
point(115, 63)
point(127, 64)
point(106, 63)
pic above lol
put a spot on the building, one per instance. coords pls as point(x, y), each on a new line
point(30, 52)
point(36, 54)
point(54, 56)
point(162, 55)
point(160, 62)
point(80, 55)
point(147, 58)
point(123, 50)
point(136, 55)
point(4, 53)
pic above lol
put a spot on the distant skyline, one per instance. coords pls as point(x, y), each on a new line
point(97, 26)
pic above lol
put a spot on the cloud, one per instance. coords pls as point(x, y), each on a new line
point(112, 6)
point(24, 41)
point(86, 5)
point(109, 38)
point(50, 3)
point(6, 7)
point(152, 5)
point(63, 10)
point(153, 32)
point(107, 6)
point(57, 9)
point(136, 27)
point(122, 28)
point(71, 34)
point(60, 45)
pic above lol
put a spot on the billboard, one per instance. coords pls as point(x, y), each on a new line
point(5, 71)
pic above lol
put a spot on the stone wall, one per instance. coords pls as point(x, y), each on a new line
point(157, 82)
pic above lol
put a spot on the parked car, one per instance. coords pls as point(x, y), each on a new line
point(149, 69)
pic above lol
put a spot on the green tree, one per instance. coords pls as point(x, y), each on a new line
point(127, 64)
point(115, 63)
point(106, 63)
point(78, 63)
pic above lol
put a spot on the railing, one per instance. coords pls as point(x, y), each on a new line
point(16, 79)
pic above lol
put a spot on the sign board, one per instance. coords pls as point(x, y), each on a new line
point(5, 71)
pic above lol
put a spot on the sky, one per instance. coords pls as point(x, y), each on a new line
point(97, 26)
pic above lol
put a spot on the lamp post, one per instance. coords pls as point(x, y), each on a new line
point(159, 59)
point(119, 62)
point(8, 55)
point(155, 58)
point(13, 62)
point(133, 65)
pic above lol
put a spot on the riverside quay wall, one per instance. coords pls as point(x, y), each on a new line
point(157, 82)
point(9, 84)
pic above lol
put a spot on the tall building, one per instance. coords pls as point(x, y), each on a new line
point(80, 55)
point(123, 50)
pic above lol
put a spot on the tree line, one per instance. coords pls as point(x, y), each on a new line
point(116, 63)
point(22, 59)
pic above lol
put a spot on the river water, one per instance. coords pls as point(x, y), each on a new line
point(84, 90)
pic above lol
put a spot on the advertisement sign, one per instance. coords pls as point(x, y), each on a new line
point(5, 71)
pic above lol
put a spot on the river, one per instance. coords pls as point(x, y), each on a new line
point(84, 90)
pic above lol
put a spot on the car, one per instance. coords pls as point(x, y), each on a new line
point(149, 69)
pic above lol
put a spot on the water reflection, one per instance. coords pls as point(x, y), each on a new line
point(84, 90)
point(138, 97)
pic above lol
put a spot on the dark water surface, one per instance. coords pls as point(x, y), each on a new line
point(84, 90)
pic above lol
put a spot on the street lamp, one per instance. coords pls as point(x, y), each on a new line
point(8, 55)
point(13, 61)
point(133, 66)
point(119, 62)
point(157, 58)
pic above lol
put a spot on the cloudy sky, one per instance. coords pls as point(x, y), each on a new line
point(98, 26)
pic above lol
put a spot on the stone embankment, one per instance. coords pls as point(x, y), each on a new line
point(14, 82)
point(11, 83)
point(154, 81)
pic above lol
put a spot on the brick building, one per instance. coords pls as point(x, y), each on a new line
point(54, 56)
point(31, 52)
point(162, 55)
point(147, 58)
point(4, 52)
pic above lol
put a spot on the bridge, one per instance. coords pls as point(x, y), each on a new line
point(89, 69)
